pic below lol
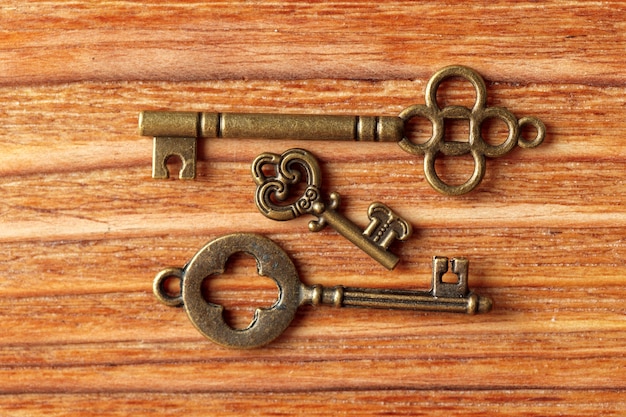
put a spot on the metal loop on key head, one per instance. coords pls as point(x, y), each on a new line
point(273, 262)
point(476, 145)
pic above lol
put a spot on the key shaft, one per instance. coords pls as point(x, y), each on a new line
point(340, 296)
point(271, 126)
point(442, 297)
point(328, 216)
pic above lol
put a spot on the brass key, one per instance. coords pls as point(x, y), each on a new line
point(175, 133)
point(287, 170)
point(273, 262)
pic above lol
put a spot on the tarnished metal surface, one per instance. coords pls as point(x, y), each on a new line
point(211, 260)
point(297, 166)
point(274, 263)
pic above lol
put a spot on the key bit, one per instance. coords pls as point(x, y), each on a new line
point(174, 131)
point(273, 262)
point(166, 147)
point(298, 165)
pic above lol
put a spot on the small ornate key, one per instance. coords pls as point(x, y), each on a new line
point(288, 171)
point(175, 133)
point(273, 262)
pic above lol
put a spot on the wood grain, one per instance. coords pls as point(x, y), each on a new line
point(190, 40)
point(85, 228)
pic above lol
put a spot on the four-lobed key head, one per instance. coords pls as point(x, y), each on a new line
point(476, 145)
point(268, 323)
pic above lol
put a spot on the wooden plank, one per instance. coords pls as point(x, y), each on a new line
point(553, 41)
point(393, 402)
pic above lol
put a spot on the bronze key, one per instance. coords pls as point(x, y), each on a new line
point(175, 133)
point(273, 262)
point(297, 165)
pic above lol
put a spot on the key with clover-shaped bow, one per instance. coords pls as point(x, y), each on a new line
point(294, 167)
point(175, 133)
point(274, 263)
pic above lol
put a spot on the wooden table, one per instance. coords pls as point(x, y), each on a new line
point(85, 228)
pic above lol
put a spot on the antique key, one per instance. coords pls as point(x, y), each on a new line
point(287, 170)
point(175, 133)
point(273, 262)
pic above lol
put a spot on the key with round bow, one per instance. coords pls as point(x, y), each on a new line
point(273, 262)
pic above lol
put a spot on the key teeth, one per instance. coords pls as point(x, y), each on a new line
point(460, 267)
point(181, 147)
point(386, 226)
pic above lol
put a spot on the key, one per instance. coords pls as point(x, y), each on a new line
point(175, 133)
point(273, 262)
point(294, 167)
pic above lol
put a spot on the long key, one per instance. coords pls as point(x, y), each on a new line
point(296, 166)
point(175, 133)
point(273, 262)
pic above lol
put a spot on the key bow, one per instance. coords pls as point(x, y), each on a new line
point(476, 145)
point(287, 172)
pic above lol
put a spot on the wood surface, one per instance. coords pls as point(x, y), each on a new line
point(85, 228)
